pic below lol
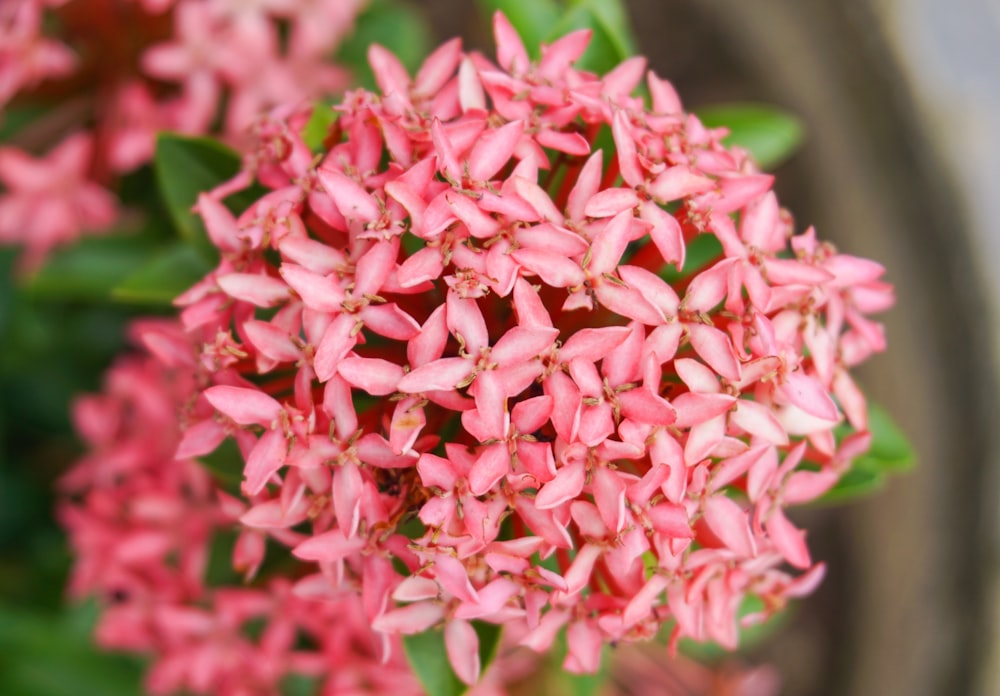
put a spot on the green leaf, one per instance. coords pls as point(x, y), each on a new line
point(557, 680)
point(219, 571)
point(890, 452)
point(53, 655)
point(318, 127)
point(226, 464)
point(770, 134)
point(161, 279)
point(533, 19)
point(184, 168)
point(612, 17)
point(864, 478)
point(602, 53)
point(428, 658)
point(700, 252)
point(300, 685)
point(890, 447)
point(90, 268)
point(489, 642)
point(14, 120)
point(396, 26)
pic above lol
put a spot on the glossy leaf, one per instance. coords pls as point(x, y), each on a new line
point(863, 479)
point(890, 452)
point(533, 19)
point(188, 166)
point(226, 465)
point(603, 53)
point(317, 129)
point(91, 268)
point(489, 641)
point(394, 25)
point(770, 134)
point(557, 680)
point(613, 18)
point(13, 121)
point(300, 685)
point(53, 655)
point(701, 251)
point(164, 277)
point(890, 446)
point(428, 657)
point(219, 571)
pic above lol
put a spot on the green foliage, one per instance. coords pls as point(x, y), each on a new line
point(395, 25)
point(863, 479)
point(533, 19)
point(558, 681)
point(428, 657)
point(226, 465)
point(770, 134)
point(163, 277)
point(12, 121)
point(317, 128)
point(602, 54)
point(51, 655)
point(890, 452)
point(890, 446)
point(611, 17)
point(91, 268)
point(300, 685)
point(700, 252)
point(185, 167)
point(544, 21)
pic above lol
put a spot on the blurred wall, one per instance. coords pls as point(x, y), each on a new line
point(951, 55)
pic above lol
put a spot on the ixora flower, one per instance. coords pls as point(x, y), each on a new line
point(49, 200)
point(477, 373)
point(224, 63)
point(144, 526)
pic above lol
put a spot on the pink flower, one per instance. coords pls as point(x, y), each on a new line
point(475, 369)
point(50, 200)
point(27, 57)
point(223, 55)
point(144, 526)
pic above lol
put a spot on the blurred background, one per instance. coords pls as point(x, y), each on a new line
point(901, 103)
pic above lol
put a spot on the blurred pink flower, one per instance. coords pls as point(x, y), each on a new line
point(222, 56)
point(26, 56)
point(50, 200)
point(144, 527)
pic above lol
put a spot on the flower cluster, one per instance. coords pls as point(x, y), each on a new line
point(222, 63)
point(146, 530)
point(449, 351)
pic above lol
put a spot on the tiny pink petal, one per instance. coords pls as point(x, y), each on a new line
point(376, 376)
point(462, 645)
point(567, 484)
point(244, 405)
point(728, 521)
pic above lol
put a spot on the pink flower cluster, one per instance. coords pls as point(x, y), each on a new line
point(224, 63)
point(143, 525)
point(464, 390)
point(26, 56)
